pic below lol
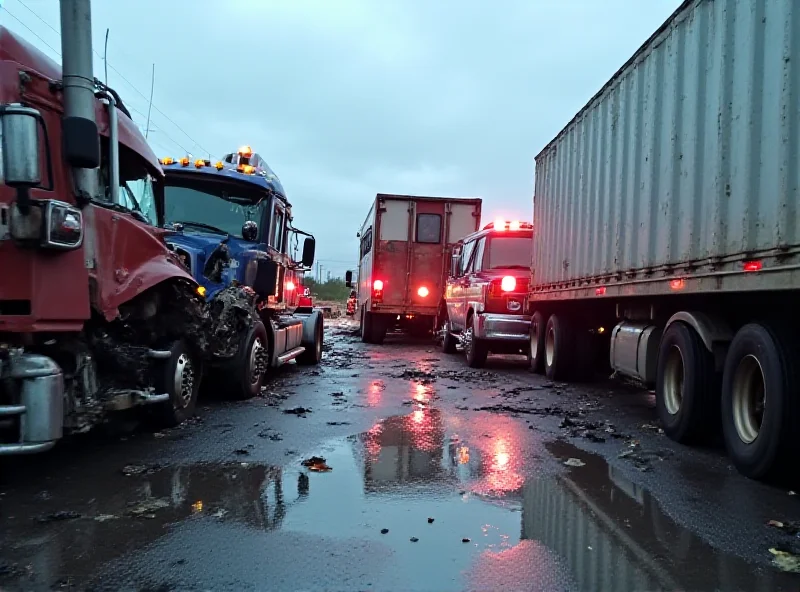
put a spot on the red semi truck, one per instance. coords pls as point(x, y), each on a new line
point(404, 260)
point(97, 314)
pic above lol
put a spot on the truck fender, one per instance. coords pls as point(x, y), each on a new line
point(309, 326)
point(714, 332)
point(132, 260)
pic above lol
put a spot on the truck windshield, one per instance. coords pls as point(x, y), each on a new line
point(210, 209)
point(509, 252)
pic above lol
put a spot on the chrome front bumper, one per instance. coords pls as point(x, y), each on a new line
point(502, 327)
point(36, 420)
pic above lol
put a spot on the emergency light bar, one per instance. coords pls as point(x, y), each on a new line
point(501, 224)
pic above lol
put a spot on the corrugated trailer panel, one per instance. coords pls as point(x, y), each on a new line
point(689, 154)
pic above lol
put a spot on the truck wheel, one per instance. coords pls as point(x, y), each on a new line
point(536, 352)
point(558, 348)
point(687, 386)
point(313, 354)
point(246, 371)
point(475, 349)
point(366, 326)
point(379, 326)
point(449, 340)
point(179, 376)
point(759, 399)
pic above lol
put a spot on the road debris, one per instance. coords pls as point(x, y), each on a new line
point(574, 462)
point(785, 561)
point(465, 540)
point(790, 528)
point(59, 516)
point(316, 464)
point(147, 508)
point(299, 411)
point(430, 520)
point(384, 531)
point(414, 539)
point(132, 470)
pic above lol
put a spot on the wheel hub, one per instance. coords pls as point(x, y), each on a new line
point(183, 381)
point(674, 375)
point(258, 360)
point(550, 346)
point(749, 398)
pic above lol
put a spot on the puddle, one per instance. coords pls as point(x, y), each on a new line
point(241, 526)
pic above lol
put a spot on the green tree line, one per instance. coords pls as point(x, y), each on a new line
point(333, 289)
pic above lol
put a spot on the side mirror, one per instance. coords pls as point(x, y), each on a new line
point(262, 276)
point(348, 279)
point(250, 231)
point(309, 246)
point(81, 142)
point(20, 127)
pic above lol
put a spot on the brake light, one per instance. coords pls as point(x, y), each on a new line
point(423, 292)
point(290, 285)
point(508, 284)
point(753, 265)
point(377, 291)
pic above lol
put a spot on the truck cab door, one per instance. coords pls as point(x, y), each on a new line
point(474, 288)
point(457, 303)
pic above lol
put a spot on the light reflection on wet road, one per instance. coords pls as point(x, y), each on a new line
point(506, 514)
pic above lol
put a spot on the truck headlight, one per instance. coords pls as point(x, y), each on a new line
point(50, 224)
point(63, 227)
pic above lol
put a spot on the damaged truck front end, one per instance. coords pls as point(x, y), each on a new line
point(231, 227)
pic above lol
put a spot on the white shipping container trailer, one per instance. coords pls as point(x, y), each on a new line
point(668, 210)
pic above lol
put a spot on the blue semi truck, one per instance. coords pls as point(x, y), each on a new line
point(230, 223)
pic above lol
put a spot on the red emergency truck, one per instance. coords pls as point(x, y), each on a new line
point(404, 260)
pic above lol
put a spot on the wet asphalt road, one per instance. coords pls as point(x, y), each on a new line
point(443, 478)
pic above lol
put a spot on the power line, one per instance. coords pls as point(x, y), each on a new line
point(35, 34)
point(57, 32)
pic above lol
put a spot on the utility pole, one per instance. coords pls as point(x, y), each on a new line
point(150, 106)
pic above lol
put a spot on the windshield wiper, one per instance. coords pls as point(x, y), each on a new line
point(201, 225)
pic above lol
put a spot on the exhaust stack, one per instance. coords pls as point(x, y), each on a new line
point(80, 132)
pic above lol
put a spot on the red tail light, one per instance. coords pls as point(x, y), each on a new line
point(423, 292)
point(508, 283)
point(377, 291)
point(753, 266)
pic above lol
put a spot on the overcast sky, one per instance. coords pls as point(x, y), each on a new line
point(348, 98)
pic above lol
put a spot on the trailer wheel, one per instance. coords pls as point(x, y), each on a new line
point(687, 386)
point(536, 352)
point(179, 376)
point(759, 399)
point(475, 349)
point(245, 373)
point(558, 348)
point(449, 340)
point(313, 354)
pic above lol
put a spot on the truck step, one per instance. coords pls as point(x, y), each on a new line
point(290, 355)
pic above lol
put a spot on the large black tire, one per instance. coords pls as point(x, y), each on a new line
point(536, 346)
point(687, 386)
point(379, 328)
point(179, 376)
point(244, 374)
point(760, 387)
point(559, 350)
point(366, 326)
point(476, 350)
point(449, 340)
point(313, 354)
